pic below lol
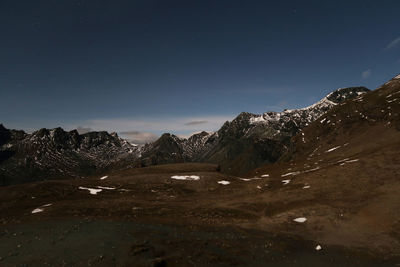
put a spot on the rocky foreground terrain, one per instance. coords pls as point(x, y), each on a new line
point(332, 199)
point(191, 215)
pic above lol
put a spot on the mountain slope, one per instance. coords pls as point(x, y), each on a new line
point(167, 149)
point(250, 140)
point(55, 154)
point(170, 148)
point(342, 174)
point(379, 108)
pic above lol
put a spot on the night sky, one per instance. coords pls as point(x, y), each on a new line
point(146, 67)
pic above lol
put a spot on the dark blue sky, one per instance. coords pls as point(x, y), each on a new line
point(158, 66)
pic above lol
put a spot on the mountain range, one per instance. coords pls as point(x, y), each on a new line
point(239, 146)
point(57, 154)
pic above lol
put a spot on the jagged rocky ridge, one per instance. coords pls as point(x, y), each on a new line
point(170, 148)
point(57, 154)
point(248, 141)
point(245, 143)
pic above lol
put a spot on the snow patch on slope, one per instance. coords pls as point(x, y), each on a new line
point(186, 177)
point(300, 219)
point(92, 191)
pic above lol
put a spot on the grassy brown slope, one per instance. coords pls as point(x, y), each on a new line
point(379, 108)
point(350, 159)
point(150, 217)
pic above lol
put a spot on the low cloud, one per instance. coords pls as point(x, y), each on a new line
point(366, 74)
point(149, 129)
point(393, 44)
point(139, 138)
point(83, 130)
point(195, 123)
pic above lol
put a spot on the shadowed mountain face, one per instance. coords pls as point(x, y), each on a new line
point(171, 149)
point(4, 135)
point(55, 154)
point(167, 149)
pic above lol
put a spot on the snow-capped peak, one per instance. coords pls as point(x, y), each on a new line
point(312, 112)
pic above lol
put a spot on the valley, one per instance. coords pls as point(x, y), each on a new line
point(330, 199)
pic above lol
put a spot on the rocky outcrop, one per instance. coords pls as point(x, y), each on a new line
point(55, 154)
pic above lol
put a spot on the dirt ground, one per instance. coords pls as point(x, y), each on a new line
point(143, 217)
point(88, 242)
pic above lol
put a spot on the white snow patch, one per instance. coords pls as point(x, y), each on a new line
point(186, 177)
point(223, 182)
point(258, 187)
point(104, 177)
point(249, 179)
point(353, 160)
point(40, 209)
point(318, 247)
point(37, 210)
point(347, 160)
point(332, 149)
point(300, 219)
point(106, 187)
point(311, 170)
point(9, 146)
point(322, 121)
point(285, 182)
point(92, 191)
point(290, 173)
point(342, 160)
point(257, 119)
point(306, 187)
point(265, 175)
